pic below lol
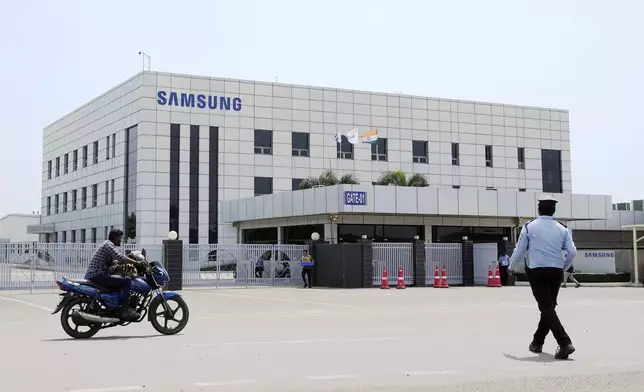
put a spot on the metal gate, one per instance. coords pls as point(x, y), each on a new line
point(448, 255)
point(393, 256)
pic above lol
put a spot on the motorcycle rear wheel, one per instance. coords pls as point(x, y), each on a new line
point(157, 310)
point(66, 318)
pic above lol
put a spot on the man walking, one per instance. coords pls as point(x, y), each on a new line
point(543, 239)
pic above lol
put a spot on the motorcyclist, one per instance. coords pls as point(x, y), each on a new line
point(105, 257)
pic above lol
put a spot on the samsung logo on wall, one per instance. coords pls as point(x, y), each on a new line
point(201, 101)
point(599, 254)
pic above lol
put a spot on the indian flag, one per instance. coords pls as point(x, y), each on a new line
point(370, 137)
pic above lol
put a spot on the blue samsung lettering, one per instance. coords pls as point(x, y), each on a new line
point(201, 101)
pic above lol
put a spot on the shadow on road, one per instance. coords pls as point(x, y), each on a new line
point(109, 338)
point(543, 357)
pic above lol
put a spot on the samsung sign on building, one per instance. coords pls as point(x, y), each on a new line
point(594, 262)
point(201, 101)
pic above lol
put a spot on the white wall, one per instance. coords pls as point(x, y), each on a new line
point(14, 227)
point(413, 201)
point(615, 222)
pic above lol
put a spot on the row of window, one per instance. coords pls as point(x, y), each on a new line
point(264, 185)
point(62, 236)
point(344, 149)
point(54, 167)
point(73, 195)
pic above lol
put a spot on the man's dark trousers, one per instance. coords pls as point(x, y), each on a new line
point(124, 284)
point(503, 270)
point(307, 272)
point(545, 283)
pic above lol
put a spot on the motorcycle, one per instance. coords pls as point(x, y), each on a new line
point(91, 306)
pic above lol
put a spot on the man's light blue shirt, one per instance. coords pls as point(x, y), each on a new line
point(544, 239)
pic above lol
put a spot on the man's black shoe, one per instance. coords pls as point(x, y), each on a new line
point(305, 285)
point(535, 348)
point(563, 352)
point(129, 314)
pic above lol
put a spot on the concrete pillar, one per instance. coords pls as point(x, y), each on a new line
point(468, 263)
point(173, 262)
point(428, 233)
point(331, 233)
point(279, 234)
point(420, 269)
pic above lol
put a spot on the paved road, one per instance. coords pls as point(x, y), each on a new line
point(283, 339)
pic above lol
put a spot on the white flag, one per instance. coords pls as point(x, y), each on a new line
point(338, 137)
point(352, 136)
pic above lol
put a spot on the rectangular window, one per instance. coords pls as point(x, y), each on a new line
point(96, 152)
point(49, 170)
point(48, 205)
point(73, 233)
point(65, 202)
point(379, 150)
point(112, 193)
point(488, 156)
point(74, 199)
point(94, 195)
point(113, 145)
point(84, 197)
point(419, 151)
point(521, 157)
point(295, 183)
point(107, 192)
point(66, 164)
point(344, 149)
point(300, 144)
point(263, 186)
point(193, 183)
point(64, 239)
point(56, 203)
point(175, 138)
point(107, 148)
point(85, 156)
point(455, 154)
point(106, 233)
point(82, 235)
point(93, 235)
point(75, 160)
point(263, 142)
point(57, 166)
point(521, 189)
point(213, 184)
point(551, 171)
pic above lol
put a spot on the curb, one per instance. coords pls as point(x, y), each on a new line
point(617, 284)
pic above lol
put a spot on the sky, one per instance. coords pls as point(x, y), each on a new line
point(584, 56)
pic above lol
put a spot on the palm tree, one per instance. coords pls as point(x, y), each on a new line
point(398, 178)
point(328, 178)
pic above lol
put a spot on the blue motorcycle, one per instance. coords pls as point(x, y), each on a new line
point(90, 307)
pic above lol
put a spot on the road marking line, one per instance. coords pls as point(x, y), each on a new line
point(224, 383)
point(332, 377)
point(27, 303)
point(257, 343)
point(276, 299)
point(113, 389)
point(431, 372)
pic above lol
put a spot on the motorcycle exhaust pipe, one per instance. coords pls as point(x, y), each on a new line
point(97, 319)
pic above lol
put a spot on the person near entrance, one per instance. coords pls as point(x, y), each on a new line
point(543, 239)
point(504, 263)
point(307, 268)
point(569, 275)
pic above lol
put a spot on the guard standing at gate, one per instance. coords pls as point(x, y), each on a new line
point(544, 239)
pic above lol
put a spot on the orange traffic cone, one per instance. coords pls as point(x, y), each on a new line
point(497, 277)
point(490, 278)
point(401, 279)
point(437, 278)
point(385, 279)
point(444, 284)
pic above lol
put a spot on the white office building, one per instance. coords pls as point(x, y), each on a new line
point(165, 151)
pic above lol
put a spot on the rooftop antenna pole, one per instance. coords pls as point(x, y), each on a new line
point(143, 56)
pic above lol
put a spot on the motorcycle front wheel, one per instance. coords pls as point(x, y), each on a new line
point(165, 323)
point(70, 327)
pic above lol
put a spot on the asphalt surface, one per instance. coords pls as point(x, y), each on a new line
point(293, 339)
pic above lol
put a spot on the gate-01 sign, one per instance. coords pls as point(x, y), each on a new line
point(352, 198)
